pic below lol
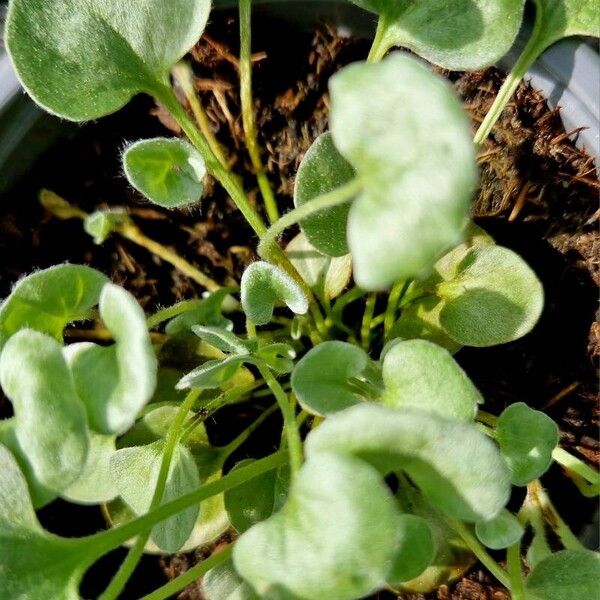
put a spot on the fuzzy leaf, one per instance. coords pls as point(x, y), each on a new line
point(50, 422)
point(456, 466)
point(460, 35)
point(208, 311)
point(321, 378)
point(251, 502)
point(213, 373)
point(566, 575)
point(167, 171)
point(527, 438)
point(279, 357)
point(223, 583)
point(417, 165)
point(415, 551)
point(101, 223)
point(224, 340)
point(263, 286)
point(115, 382)
point(322, 170)
point(315, 546)
point(419, 374)
point(500, 532)
point(136, 471)
point(83, 59)
point(494, 298)
point(47, 300)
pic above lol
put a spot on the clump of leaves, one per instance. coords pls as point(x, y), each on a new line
point(389, 474)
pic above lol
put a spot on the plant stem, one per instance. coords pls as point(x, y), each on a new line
point(242, 437)
point(170, 589)
point(380, 46)
point(340, 195)
point(365, 330)
point(480, 552)
point(227, 179)
point(127, 567)
point(398, 290)
point(248, 118)
point(511, 83)
point(575, 465)
point(184, 76)
point(515, 572)
point(165, 314)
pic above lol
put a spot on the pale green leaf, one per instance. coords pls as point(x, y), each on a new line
point(224, 340)
point(47, 300)
point(223, 583)
point(455, 465)
point(463, 35)
point(527, 438)
point(279, 357)
point(167, 171)
point(320, 380)
point(322, 170)
point(101, 223)
point(213, 373)
point(566, 575)
point(208, 311)
point(83, 59)
point(417, 166)
point(500, 532)
point(115, 382)
point(494, 298)
point(316, 546)
point(50, 420)
point(419, 374)
point(264, 286)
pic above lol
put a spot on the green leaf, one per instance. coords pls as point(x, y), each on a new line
point(321, 544)
point(415, 551)
point(455, 465)
point(59, 563)
point(101, 223)
point(527, 438)
point(417, 166)
point(167, 171)
point(263, 286)
point(136, 471)
point(460, 35)
point(322, 170)
point(223, 583)
point(224, 340)
point(251, 502)
point(321, 378)
point(208, 311)
point(115, 382)
point(419, 374)
point(494, 298)
point(47, 300)
point(213, 373)
point(279, 357)
point(500, 532)
point(82, 60)
point(50, 422)
point(566, 575)
point(95, 484)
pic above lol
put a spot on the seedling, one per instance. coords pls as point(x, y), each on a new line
point(383, 203)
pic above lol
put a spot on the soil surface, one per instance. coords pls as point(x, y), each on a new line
point(538, 196)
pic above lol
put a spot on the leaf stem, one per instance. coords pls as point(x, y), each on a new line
point(515, 572)
point(165, 314)
point(170, 589)
point(248, 119)
point(380, 46)
point(398, 290)
point(575, 465)
point(365, 330)
point(242, 437)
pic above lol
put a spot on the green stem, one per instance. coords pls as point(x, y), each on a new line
point(127, 567)
point(511, 83)
point(575, 465)
point(227, 179)
point(248, 119)
point(380, 45)
point(242, 437)
point(398, 290)
point(165, 314)
point(170, 589)
point(365, 330)
point(515, 572)
point(340, 195)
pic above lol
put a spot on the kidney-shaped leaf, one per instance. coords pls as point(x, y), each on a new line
point(527, 438)
point(115, 382)
point(321, 378)
point(83, 59)
point(47, 300)
point(500, 532)
point(322, 170)
point(456, 466)
point(167, 171)
point(316, 546)
point(101, 223)
point(405, 132)
point(566, 575)
point(494, 298)
point(420, 374)
point(463, 35)
point(50, 420)
point(263, 286)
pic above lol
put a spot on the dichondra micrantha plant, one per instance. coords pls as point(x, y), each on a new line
point(383, 204)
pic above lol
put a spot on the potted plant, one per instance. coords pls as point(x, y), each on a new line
point(386, 457)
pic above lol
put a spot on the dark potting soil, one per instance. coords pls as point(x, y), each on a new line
point(538, 196)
